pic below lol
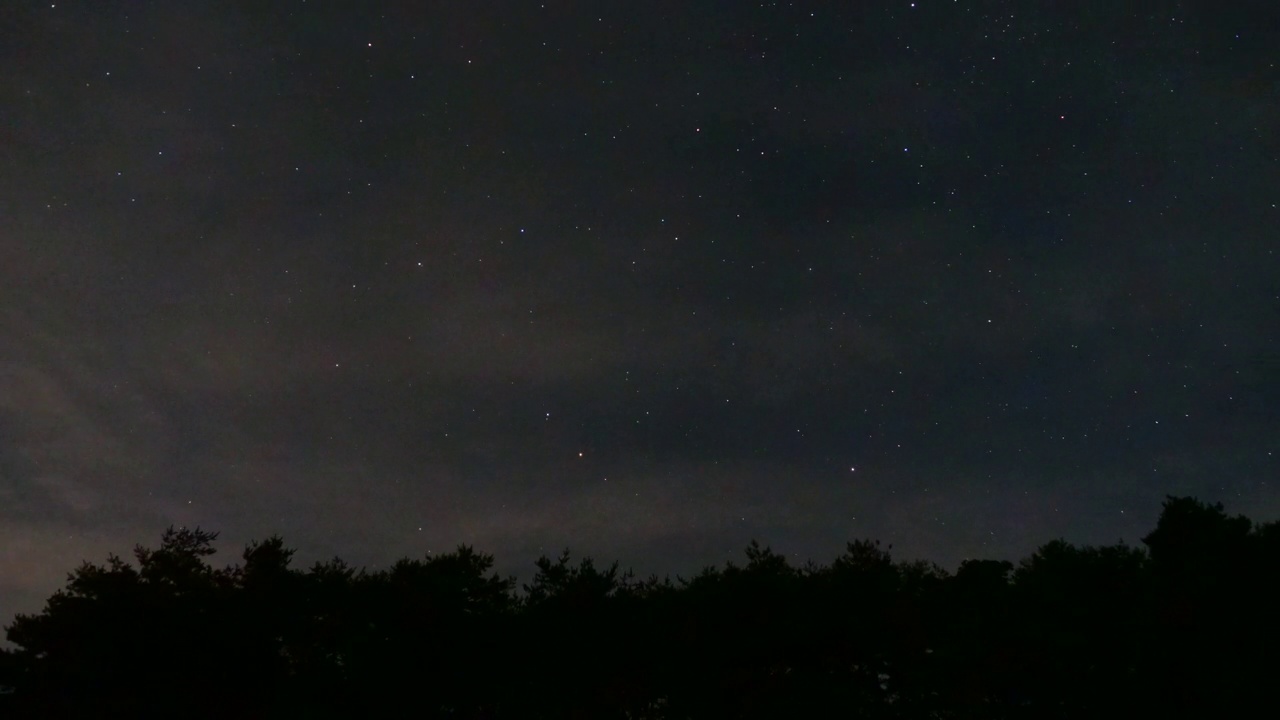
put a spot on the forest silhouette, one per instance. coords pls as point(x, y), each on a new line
point(1183, 627)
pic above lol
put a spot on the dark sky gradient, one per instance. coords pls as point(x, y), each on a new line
point(647, 279)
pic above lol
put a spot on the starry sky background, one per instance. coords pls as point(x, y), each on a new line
point(644, 279)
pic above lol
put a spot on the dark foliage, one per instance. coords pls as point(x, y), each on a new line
point(1185, 628)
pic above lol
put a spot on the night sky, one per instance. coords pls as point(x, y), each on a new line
point(643, 279)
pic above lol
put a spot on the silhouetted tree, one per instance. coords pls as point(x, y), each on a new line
point(1209, 574)
point(118, 639)
point(1080, 622)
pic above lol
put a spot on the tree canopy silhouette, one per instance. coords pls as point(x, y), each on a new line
point(1185, 625)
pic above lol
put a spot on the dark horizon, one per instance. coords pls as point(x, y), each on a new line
point(1183, 624)
point(647, 280)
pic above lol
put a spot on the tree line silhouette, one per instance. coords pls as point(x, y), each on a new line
point(1187, 625)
